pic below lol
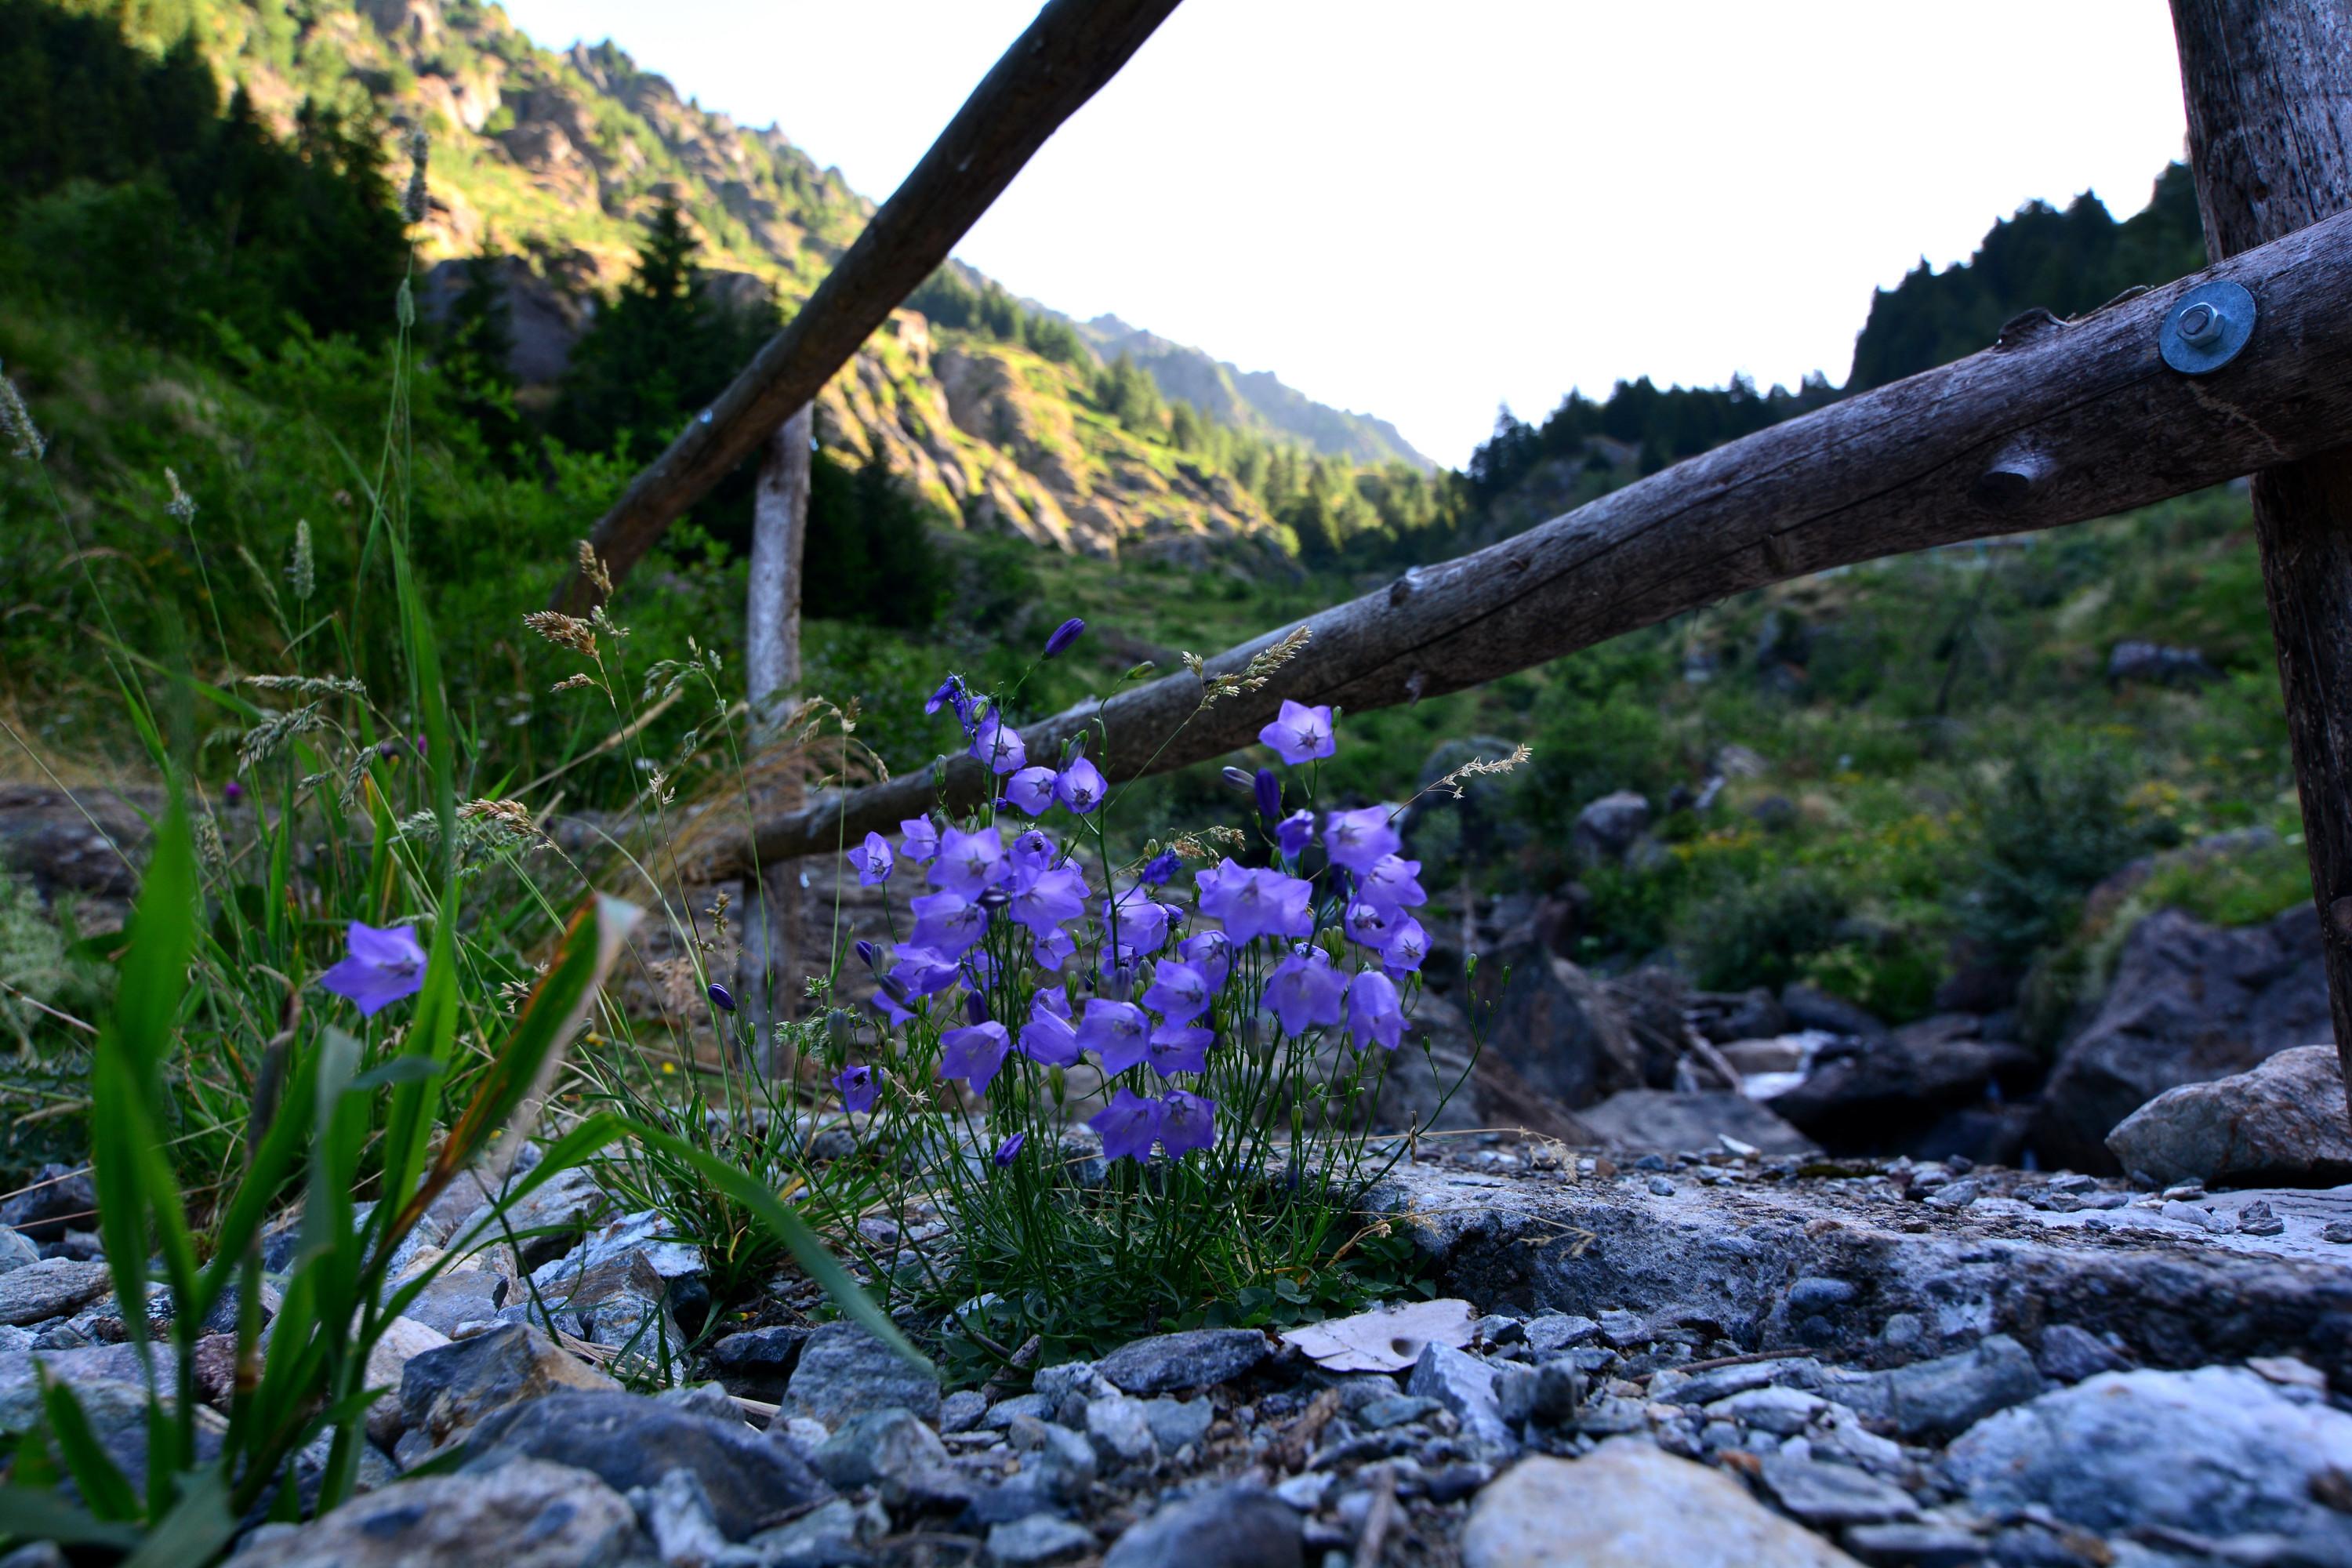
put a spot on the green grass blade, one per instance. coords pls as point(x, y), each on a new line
point(28, 1513)
point(103, 1483)
point(193, 1532)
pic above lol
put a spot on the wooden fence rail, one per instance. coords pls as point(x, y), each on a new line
point(1052, 69)
point(2057, 422)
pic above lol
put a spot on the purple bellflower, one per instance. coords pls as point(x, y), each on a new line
point(1055, 948)
point(1063, 636)
point(1300, 734)
point(232, 792)
point(1178, 1047)
point(1187, 1121)
point(969, 864)
point(1375, 1015)
point(1179, 992)
point(1357, 840)
point(918, 839)
point(1160, 867)
point(1267, 789)
point(1129, 1125)
point(1050, 900)
point(1294, 833)
point(952, 693)
point(1047, 1038)
point(1406, 946)
point(974, 1053)
point(381, 966)
point(1305, 990)
point(924, 972)
point(1142, 922)
point(999, 744)
point(1254, 903)
point(1031, 789)
point(948, 923)
point(1392, 883)
point(1368, 924)
point(874, 861)
point(1010, 1150)
point(1079, 786)
point(1211, 953)
point(858, 1087)
point(1115, 1032)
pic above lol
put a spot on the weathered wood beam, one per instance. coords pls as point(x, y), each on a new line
point(2268, 86)
point(2058, 422)
point(1062, 60)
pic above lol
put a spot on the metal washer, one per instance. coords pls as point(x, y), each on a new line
point(2232, 325)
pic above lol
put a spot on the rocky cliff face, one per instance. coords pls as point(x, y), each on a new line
point(558, 158)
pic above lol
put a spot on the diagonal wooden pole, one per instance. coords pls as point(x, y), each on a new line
point(1068, 53)
point(2268, 85)
point(2056, 422)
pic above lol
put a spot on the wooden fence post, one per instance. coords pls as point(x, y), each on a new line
point(2268, 85)
point(773, 926)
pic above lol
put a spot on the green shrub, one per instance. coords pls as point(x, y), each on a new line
point(1761, 932)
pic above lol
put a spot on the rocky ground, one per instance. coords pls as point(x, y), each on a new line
point(1717, 1357)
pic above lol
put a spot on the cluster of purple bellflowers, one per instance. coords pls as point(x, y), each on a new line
point(1016, 952)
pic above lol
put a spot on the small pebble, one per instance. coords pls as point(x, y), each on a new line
point(2338, 1231)
point(1662, 1187)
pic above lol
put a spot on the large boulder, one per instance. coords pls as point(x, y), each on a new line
point(1883, 1093)
point(629, 1442)
point(1655, 1118)
point(1631, 1504)
point(2216, 1452)
point(2191, 1003)
point(1607, 828)
point(2283, 1124)
point(521, 1515)
point(1563, 1032)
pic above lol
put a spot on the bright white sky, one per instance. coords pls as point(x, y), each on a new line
point(1422, 210)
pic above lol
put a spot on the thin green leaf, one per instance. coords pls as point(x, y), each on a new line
point(29, 1514)
point(103, 1483)
point(193, 1532)
point(400, 1069)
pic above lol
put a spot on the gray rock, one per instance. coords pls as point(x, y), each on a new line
point(1057, 1383)
point(1121, 1431)
point(1825, 1495)
point(828, 1536)
point(39, 1554)
point(703, 1399)
point(758, 1363)
point(1177, 1422)
point(1630, 1504)
point(1810, 1008)
point(1040, 1538)
point(2190, 1002)
point(1783, 1412)
point(2280, 1124)
point(844, 1371)
point(1562, 1033)
point(1196, 1358)
point(1549, 1394)
point(1001, 1414)
point(2217, 1452)
point(646, 1233)
point(1814, 1294)
point(2069, 1354)
point(1465, 1385)
point(57, 1198)
point(16, 1250)
point(1233, 1527)
point(1938, 1398)
point(632, 1442)
point(446, 1391)
point(878, 1445)
point(619, 1300)
point(461, 1296)
point(675, 1512)
point(1891, 1090)
point(1395, 1410)
point(549, 1221)
point(1608, 828)
point(50, 1289)
point(1915, 1545)
point(962, 1410)
point(526, 1514)
point(1548, 1332)
point(1066, 1463)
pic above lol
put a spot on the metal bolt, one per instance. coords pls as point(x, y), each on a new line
point(2200, 323)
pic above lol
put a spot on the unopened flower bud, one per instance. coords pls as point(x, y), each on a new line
point(1268, 790)
point(1064, 635)
point(721, 998)
point(1241, 780)
point(866, 952)
point(975, 1008)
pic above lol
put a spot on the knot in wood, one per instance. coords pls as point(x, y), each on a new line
point(2027, 327)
